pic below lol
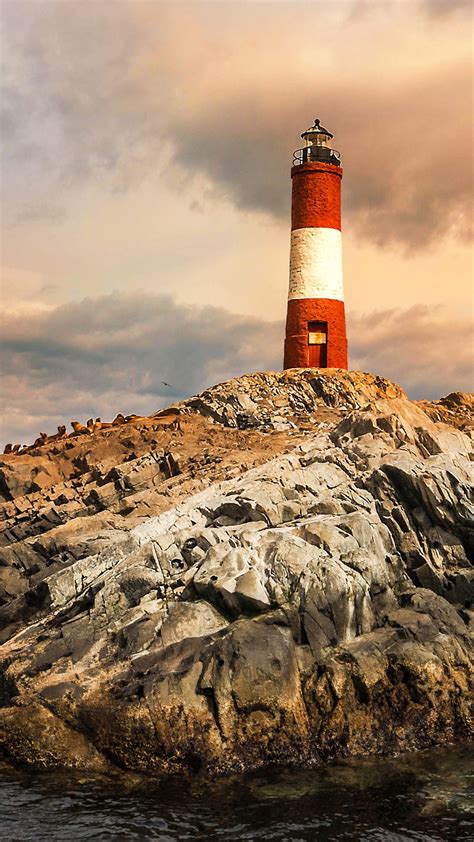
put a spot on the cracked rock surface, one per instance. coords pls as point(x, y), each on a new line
point(286, 577)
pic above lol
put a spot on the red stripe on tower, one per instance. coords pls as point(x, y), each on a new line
point(315, 324)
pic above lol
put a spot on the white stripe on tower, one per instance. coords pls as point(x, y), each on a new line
point(316, 264)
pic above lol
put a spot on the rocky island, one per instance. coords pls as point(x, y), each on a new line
point(276, 571)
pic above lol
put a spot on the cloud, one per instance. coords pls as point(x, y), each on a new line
point(110, 354)
point(221, 90)
point(395, 141)
point(23, 290)
point(431, 8)
point(429, 354)
point(40, 213)
point(441, 8)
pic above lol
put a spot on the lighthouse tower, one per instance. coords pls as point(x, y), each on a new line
point(315, 324)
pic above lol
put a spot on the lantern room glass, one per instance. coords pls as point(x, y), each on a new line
point(317, 139)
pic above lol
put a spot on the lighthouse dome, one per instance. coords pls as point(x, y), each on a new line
point(316, 130)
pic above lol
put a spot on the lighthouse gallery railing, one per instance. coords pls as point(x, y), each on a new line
point(316, 153)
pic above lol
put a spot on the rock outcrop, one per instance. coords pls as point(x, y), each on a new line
point(284, 577)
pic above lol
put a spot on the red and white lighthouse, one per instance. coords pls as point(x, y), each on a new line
point(316, 324)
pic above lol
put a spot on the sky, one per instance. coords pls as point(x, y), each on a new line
point(145, 194)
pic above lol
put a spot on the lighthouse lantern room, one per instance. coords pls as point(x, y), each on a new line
point(315, 326)
point(317, 146)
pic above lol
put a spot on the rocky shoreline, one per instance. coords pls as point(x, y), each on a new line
point(285, 576)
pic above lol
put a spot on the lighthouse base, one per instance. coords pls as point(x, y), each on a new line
point(315, 334)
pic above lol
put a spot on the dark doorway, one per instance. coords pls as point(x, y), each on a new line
point(318, 344)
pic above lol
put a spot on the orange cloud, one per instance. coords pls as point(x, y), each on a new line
point(223, 89)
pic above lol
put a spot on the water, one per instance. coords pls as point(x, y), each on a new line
point(426, 796)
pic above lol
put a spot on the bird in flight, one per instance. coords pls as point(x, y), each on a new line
point(166, 384)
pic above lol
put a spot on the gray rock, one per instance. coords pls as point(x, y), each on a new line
point(191, 619)
point(310, 603)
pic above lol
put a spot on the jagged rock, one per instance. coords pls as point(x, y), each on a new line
point(286, 578)
point(190, 619)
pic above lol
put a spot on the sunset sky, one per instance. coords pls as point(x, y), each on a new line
point(146, 190)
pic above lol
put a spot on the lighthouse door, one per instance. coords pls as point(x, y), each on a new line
point(317, 344)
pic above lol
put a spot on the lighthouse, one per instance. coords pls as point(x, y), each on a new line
point(316, 324)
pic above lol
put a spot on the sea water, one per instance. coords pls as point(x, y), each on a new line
point(424, 796)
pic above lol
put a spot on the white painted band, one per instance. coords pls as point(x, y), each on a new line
point(316, 264)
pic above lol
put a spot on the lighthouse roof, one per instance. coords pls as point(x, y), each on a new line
point(317, 129)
